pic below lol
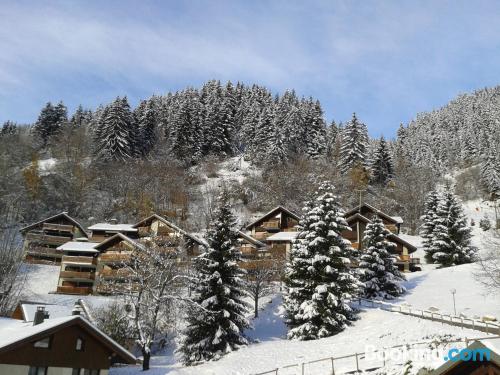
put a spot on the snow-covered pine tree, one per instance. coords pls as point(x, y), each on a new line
point(116, 137)
point(145, 117)
point(382, 167)
point(319, 281)
point(354, 144)
point(50, 122)
point(451, 238)
point(490, 174)
point(315, 131)
point(377, 267)
point(331, 140)
point(216, 326)
point(276, 151)
point(81, 117)
point(8, 128)
point(428, 223)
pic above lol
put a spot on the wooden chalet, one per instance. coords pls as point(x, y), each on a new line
point(251, 248)
point(357, 221)
point(42, 238)
point(63, 345)
point(279, 219)
point(170, 235)
point(484, 360)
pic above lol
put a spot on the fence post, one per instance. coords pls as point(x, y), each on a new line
point(462, 321)
point(303, 364)
point(333, 367)
point(383, 357)
point(277, 371)
point(466, 342)
point(357, 363)
point(473, 323)
point(487, 328)
point(422, 313)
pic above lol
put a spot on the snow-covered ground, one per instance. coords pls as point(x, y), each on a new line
point(430, 287)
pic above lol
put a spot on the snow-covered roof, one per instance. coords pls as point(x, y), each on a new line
point(398, 219)
point(56, 216)
point(55, 311)
point(87, 247)
point(113, 227)
point(251, 239)
point(14, 331)
point(283, 236)
point(375, 210)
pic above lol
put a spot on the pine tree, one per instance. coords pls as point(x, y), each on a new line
point(382, 167)
point(315, 134)
point(8, 128)
point(319, 281)
point(116, 136)
point(216, 326)
point(354, 144)
point(81, 117)
point(451, 238)
point(428, 223)
point(378, 270)
point(145, 117)
point(490, 174)
point(50, 122)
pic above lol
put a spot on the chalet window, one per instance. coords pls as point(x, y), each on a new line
point(43, 343)
point(80, 344)
point(37, 370)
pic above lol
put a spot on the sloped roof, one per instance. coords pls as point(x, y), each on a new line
point(171, 225)
point(449, 365)
point(87, 247)
point(251, 239)
point(56, 216)
point(119, 236)
point(113, 227)
point(283, 236)
point(352, 211)
point(273, 212)
point(16, 333)
point(28, 309)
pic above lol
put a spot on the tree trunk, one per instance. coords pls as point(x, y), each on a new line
point(146, 354)
point(256, 306)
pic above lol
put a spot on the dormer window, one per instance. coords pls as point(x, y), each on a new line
point(43, 343)
point(80, 344)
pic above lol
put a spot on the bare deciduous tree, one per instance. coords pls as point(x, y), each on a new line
point(489, 262)
point(259, 281)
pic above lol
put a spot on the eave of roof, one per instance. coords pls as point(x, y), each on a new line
point(65, 214)
point(51, 326)
point(251, 239)
point(294, 215)
point(373, 209)
point(121, 236)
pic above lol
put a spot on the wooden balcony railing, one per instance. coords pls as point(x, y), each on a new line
point(47, 239)
point(392, 228)
point(261, 235)
point(77, 275)
point(58, 227)
point(274, 224)
point(74, 290)
point(115, 273)
point(115, 257)
point(41, 250)
point(79, 260)
point(355, 245)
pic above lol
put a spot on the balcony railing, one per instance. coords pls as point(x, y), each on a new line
point(355, 245)
point(90, 261)
point(77, 275)
point(58, 227)
point(271, 224)
point(47, 239)
point(41, 250)
point(115, 257)
point(115, 273)
point(83, 290)
point(407, 258)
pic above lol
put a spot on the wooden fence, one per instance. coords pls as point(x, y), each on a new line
point(356, 362)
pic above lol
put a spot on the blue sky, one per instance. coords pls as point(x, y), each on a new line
point(385, 60)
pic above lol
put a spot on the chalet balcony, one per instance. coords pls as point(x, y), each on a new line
point(44, 251)
point(271, 225)
point(355, 245)
point(261, 235)
point(47, 239)
point(115, 257)
point(58, 227)
point(86, 261)
point(119, 273)
point(407, 258)
point(392, 228)
point(81, 290)
point(77, 275)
